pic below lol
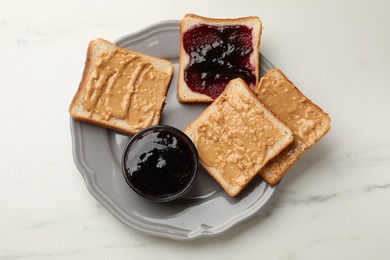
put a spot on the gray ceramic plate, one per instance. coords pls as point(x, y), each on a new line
point(206, 210)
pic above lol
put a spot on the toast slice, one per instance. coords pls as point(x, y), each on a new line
point(215, 51)
point(307, 121)
point(121, 89)
point(236, 136)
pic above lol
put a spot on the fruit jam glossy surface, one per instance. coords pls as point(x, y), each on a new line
point(217, 55)
point(159, 164)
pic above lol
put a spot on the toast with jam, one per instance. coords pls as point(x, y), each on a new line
point(121, 89)
point(215, 51)
point(308, 122)
point(236, 136)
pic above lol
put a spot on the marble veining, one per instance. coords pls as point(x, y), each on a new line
point(376, 187)
point(40, 34)
point(373, 153)
point(295, 198)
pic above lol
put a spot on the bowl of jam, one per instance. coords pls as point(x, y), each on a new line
point(160, 163)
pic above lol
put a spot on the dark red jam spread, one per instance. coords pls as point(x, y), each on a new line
point(159, 164)
point(217, 55)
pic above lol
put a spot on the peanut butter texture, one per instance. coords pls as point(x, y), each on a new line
point(301, 116)
point(125, 86)
point(235, 138)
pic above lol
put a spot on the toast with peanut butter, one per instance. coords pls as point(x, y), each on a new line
point(121, 89)
point(236, 136)
point(213, 52)
point(307, 121)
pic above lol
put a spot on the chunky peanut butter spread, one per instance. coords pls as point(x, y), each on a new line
point(235, 138)
point(301, 116)
point(125, 86)
point(292, 107)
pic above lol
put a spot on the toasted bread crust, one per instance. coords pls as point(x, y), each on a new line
point(276, 168)
point(91, 56)
point(184, 93)
point(219, 21)
point(86, 71)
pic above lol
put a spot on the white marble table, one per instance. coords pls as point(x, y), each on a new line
point(333, 204)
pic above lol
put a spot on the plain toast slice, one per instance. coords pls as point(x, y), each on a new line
point(236, 136)
point(307, 121)
point(212, 43)
point(121, 89)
